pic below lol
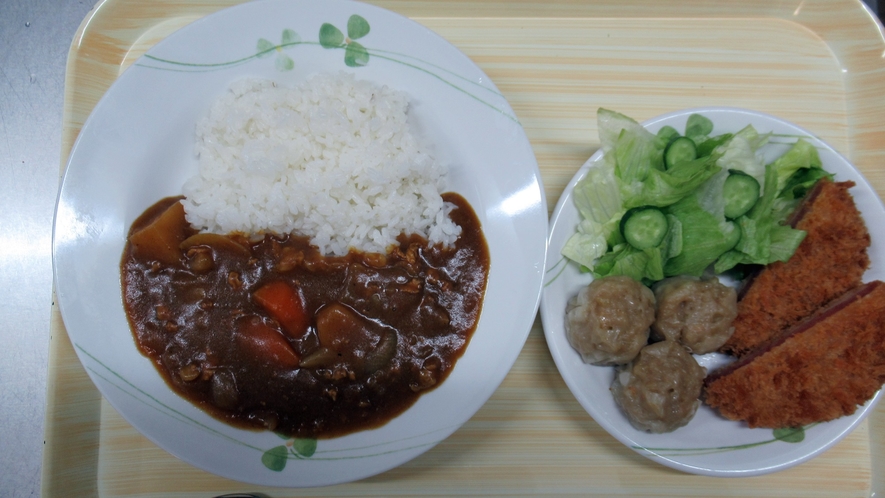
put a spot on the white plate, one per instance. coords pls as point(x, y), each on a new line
point(138, 146)
point(709, 444)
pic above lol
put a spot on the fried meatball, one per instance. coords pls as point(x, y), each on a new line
point(660, 390)
point(608, 321)
point(698, 314)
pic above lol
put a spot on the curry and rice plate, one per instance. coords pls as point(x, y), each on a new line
point(313, 279)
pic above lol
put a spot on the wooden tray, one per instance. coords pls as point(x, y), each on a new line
point(818, 63)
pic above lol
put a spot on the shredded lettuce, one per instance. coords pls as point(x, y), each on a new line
point(632, 174)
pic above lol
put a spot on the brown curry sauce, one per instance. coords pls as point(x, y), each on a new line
point(265, 332)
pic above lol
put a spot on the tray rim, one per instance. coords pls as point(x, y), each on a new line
point(106, 15)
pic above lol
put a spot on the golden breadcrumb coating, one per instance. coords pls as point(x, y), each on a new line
point(819, 370)
point(830, 260)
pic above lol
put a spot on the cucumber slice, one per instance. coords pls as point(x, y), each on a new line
point(734, 236)
point(680, 150)
point(740, 191)
point(644, 227)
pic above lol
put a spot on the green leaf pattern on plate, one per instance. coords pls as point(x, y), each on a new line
point(290, 37)
point(304, 447)
point(790, 434)
point(356, 55)
point(276, 458)
point(357, 27)
point(266, 48)
point(785, 435)
point(330, 36)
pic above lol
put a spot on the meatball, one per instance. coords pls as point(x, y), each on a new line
point(660, 390)
point(696, 313)
point(608, 321)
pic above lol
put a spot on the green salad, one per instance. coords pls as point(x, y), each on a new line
point(666, 204)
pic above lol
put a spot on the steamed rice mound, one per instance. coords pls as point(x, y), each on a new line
point(334, 159)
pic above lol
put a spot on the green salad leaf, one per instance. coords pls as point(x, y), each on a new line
point(801, 156)
point(705, 236)
point(739, 152)
point(697, 127)
point(663, 188)
point(632, 174)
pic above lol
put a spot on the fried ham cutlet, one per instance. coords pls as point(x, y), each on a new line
point(830, 260)
point(819, 370)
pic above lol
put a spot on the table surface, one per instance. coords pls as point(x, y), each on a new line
point(36, 36)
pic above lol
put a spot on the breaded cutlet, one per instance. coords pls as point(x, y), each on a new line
point(819, 370)
point(830, 260)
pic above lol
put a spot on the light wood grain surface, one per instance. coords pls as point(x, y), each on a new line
point(816, 63)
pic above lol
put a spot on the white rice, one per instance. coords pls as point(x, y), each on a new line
point(334, 159)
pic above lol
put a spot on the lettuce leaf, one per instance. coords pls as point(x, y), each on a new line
point(642, 265)
point(782, 242)
point(662, 188)
point(597, 195)
point(597, 198)
point(611, 123)
point(666, 134)
point(698, 127)
point(636, 155)
point(705, 237)
point(706, 147)
point(591, 240)
point(740, 153)
point(802, 155)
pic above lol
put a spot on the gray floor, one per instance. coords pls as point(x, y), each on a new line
point(35, 36)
